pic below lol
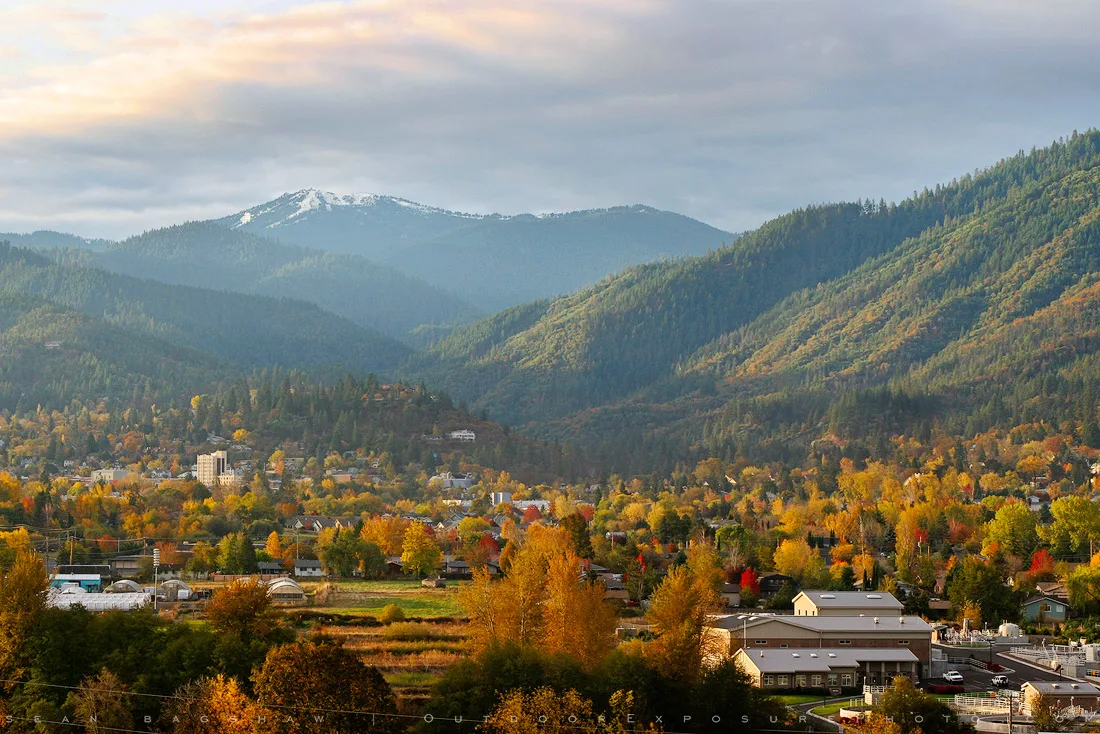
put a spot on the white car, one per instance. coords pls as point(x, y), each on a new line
point(1001, 681)
point(953, 676)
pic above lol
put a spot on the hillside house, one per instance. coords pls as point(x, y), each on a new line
point(845, 604)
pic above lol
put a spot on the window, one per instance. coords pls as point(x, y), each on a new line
point(1044, 607)
point(769, 680)
point(832, 679)
point(800, 681)
point(903, 642)
point(846, 679)
point(783, 681)
point(783, 646)
point(844, 642)
point(816, 680)
point(761, 642)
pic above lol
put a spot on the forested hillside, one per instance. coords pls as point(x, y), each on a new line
point(208, 255)
point(52, 356)
point(249, 331)
point(849, 316)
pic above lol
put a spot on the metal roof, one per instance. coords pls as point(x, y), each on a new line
point(855, 625)
point(877, 600)
point(809, 660)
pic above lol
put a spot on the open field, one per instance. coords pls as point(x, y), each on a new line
point(410, 666)
point(368, 598)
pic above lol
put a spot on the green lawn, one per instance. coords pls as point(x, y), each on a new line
point(426, 606)
point(391, 585)
point(411, 679)
point(794, 699)
point(833, 708)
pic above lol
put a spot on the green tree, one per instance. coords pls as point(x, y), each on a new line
point(974, 582)
point(577, 527)
point(419, 553)
point(1012, 530)
point(914, 710)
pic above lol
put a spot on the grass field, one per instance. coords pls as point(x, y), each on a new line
point(420, 606)
point(794, 699)
point(410, 666)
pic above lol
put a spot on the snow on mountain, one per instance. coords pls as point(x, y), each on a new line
point(290, 207)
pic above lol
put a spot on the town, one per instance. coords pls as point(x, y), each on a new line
point(960, 584)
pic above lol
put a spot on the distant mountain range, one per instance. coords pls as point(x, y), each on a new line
point(491, 261)
point(971, 305)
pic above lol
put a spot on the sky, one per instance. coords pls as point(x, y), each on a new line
point(117, 117)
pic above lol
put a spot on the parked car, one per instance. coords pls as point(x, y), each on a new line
point(953, 676)
point(1001, 681)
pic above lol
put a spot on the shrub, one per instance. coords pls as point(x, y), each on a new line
point(408, 631)
point(391, 613)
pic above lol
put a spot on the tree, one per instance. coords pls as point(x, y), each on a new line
point(577, 621)
point(546, 711)
point(236, 554)
point(215, 706)
point(678, 611)
point(1075, 524)
point(102, 703)
point(577, 527)
point(914, 710)
point(22, 599)
point(308, 681)
point(341, 551)
point(419, 553)
point(243, 609)
point(1012, 530)
point(274, 547)
point(973, 583)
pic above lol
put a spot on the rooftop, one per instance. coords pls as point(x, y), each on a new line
point(1065, 687)
point(878, 600)
point(824, 659)
point(855, 625)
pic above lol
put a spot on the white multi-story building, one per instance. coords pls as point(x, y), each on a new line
point(211, 467)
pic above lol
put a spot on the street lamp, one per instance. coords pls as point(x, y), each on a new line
point(156, 575)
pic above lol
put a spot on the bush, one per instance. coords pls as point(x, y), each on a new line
point(391, 613)
point(408, 631)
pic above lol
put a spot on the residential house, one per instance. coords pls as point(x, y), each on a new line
point(464, 435)
point(771, 583)
point(731, 595)
point(1056, 589)
point(1045, 609)
point(845, 603)
point(450, 481)
point(307, 569)
point(827, 667)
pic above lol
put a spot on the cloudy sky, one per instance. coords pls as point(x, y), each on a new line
point(120, 116)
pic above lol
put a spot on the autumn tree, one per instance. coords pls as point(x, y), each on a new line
point(274, 546)
point(419, 553)
point(22, 599)
point(388, 533)
point(678, 611)
point(546, 711)
point(576, 619)
point(914, 710)
point(308, 682)
point(102, 703)
point(215, 706)
point(1012, 530)
point(243, 609)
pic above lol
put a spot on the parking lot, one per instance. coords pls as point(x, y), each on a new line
point(981, 680)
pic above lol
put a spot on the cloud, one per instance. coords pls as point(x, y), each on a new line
point(728, 110)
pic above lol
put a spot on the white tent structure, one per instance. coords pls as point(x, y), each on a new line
point(173, 590)
point(285, 591)
point(125, 586)
point(70, 597)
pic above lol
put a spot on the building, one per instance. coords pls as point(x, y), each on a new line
point(1045, 609)
point(90, 582)
point(827, 667)
point(845, 604)
point(464, 434)
point(307, 569)
point(75, 596)
point(106, 476)
point(771, 583)
point(1061, 694)
point(449, 480)
point(500, 498)
point(211, 467)
point(807, 632)
point(731, 595)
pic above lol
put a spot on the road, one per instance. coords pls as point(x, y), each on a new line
point(980, 680)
